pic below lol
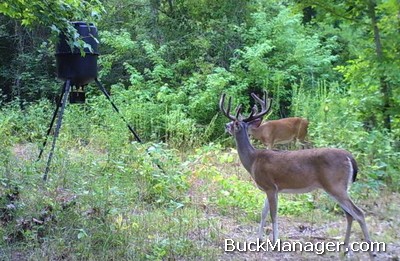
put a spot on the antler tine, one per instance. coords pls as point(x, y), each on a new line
point(221, 107)
point(238, 111)
point(265, 104)
point(265, 107)
point(260, 101)
point(254, 109)
point(228, 110)
point(221, 101)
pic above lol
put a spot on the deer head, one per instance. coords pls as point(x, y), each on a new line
point(238, 123)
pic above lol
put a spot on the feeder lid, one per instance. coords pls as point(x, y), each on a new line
point(70, 63)
point(87, 32)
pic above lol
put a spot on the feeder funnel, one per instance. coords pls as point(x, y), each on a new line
point(71, 65)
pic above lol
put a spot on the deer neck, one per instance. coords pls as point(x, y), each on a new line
point(256, 132)
point(246, 151)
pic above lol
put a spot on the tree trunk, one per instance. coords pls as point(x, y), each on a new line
point(384, 85)
point(20, 50)
point(155, 6)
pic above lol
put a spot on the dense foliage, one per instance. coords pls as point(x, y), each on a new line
point(167, 62)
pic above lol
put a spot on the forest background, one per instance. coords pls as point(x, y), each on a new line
point(166, 63)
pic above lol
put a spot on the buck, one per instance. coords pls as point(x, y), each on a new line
point(332, 170)
point(281, 131)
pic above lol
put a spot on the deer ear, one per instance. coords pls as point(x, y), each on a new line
point(255, 123)
point(229, 128)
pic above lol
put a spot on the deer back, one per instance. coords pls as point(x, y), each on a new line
point(303, 171)
point(281, 131)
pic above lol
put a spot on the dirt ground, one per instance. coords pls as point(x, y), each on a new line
point(292, 231)
point(381, 217)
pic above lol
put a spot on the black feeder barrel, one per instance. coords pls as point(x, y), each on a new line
point(70, 63)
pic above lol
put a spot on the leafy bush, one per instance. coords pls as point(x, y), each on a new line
point(334, 122)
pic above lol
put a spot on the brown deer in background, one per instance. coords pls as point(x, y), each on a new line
point(301, 171)
point(281, 131)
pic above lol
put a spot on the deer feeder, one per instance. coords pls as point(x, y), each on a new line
point(78, 66)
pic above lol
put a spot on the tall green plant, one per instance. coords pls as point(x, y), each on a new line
point(334, 122)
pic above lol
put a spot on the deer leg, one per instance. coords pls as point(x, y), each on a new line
point(348, 230)
point(300, 143)
point(273, 208)
point(356, 213)
point(263, 218)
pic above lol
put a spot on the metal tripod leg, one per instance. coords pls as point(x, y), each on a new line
point(58, 104)
point(63, 100)
point(104, 91)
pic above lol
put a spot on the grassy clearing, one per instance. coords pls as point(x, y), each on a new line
point(115, 204)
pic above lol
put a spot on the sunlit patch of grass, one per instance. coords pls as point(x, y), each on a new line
point(232, 188)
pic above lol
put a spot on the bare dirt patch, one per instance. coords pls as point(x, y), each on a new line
point(381, 216)
point(26, 151)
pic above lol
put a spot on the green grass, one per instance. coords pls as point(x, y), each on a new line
point(107, 199)
point(119, 205)
point(94, 207)
point(115, 204)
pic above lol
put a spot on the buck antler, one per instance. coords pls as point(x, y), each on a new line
point(227, 112)
point(265, 107)
point(254, 114)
